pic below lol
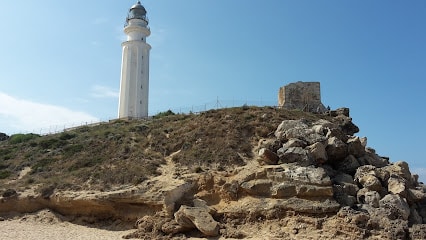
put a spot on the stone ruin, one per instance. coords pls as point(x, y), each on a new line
point(305, 96)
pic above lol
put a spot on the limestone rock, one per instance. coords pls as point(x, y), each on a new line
point(271, 144)
point(349, 165)
point(317, 151)
point(396, 185)
point(418, 231)
point(266, 156)
point(342, 178)
point(365, 170)
point(340, 111)
point(311, 175)
point(414, 217)
point(190, 217)
point(355, 147)
point(336, 149)
point(370, 182)
point(285, 125)
point(283, 190)
point(257, 187)
point(346, 124)
point(396, 206)
point(305, 191)
point(294, 142)
point(353, 216)
point(229, 190)
point(295, 154)
point(373, 159)
point(305, 134)
point(172, 227)
point(415, 195)
point(342, 197)
point(347, 184)
point(337, 133)
point(400, 169)
point(372, 198)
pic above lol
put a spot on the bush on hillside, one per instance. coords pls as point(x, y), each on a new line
point(20, 138)
point(164, 114)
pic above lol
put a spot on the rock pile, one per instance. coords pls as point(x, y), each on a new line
point(389, 196)
point(315, 169)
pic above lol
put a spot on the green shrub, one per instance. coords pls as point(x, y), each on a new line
point(3, 166)
point(52, 143)
point(73, 149)
point(20, 138)
point(41, 165)
point(164, 114)
point(5, 174)
point(67, 136)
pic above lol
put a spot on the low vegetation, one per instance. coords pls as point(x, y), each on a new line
point(129, 152)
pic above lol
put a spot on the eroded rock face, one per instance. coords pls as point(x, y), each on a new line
point(306, 169)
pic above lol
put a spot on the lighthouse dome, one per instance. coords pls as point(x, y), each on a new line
point(137, 11)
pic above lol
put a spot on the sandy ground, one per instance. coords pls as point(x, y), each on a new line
point(46, 225)
point(15, 229)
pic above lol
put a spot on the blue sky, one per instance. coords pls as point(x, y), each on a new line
point(60, 61)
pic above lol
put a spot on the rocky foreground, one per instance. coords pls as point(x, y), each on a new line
point(307, 180)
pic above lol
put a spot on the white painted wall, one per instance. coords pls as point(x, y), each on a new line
point(134, 84)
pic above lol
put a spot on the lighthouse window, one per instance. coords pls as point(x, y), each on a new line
point(141, 87)
point(142, 39)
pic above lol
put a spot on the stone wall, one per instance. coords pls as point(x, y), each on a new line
point(305, 96)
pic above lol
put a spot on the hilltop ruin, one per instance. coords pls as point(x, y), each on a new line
point(305, 96)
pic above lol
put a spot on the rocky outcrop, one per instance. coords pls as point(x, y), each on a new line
point(306, 176)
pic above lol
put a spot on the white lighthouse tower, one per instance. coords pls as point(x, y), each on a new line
point(134, 85)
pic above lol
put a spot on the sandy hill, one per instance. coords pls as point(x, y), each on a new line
point(235, 173)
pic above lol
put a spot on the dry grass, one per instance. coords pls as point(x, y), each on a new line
point(128, 152)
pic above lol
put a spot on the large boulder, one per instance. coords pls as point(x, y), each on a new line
point(346, 124)
point(266, 156)
point(349, 165)
point(295, 155)
point(197, 217)
point(294, 142)
point(355, 147)
point(372, 198)
point(370, 182)
point(396, 206)
point(396, 185)
point(336, 149)
point(336, 132)
point(286, 125)
point(371, 158)
point(400, 169)
point(271, 144)
point(318, 153)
